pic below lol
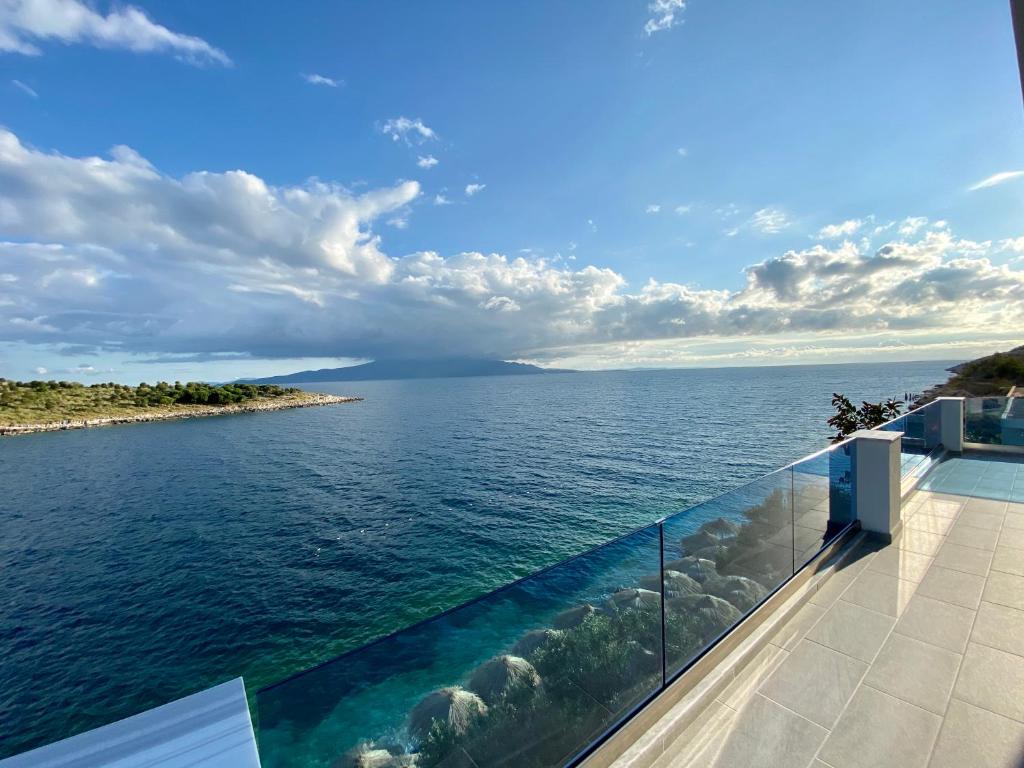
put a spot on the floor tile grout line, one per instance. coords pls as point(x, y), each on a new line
point(794, 712)
point(956, 677)
point(940, 715)
point(985, 709)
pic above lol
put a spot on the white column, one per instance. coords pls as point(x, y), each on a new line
point(876, 482)
point(951, 423)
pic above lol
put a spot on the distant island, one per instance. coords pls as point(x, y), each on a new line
point(48, 406)
point(435, 368)
point(991, 375)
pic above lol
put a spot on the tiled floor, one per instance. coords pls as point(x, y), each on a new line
point(980, 476)
point(912, 656)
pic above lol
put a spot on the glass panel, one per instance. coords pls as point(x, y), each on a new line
point(822, 500)
point(722, 558)
point(526, 676)
point(920, 430)
point(994, 420)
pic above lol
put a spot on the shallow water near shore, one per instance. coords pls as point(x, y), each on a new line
point(142, 563)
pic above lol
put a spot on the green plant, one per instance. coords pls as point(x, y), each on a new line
point(848, 418)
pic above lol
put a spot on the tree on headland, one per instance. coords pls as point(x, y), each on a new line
point(848, 418)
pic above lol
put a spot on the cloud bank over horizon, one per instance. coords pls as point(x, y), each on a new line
point(112, 255)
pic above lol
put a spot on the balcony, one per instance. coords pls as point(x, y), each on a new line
point(862, 606)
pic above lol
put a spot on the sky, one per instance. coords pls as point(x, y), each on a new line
point(191, 192)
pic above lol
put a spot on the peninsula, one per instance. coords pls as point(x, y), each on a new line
point(48, 406)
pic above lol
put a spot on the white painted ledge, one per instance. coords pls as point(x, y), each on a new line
point(211, 729)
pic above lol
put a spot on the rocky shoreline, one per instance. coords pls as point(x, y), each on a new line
point(303, 400)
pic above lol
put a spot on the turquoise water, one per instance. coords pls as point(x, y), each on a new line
point(142, 563)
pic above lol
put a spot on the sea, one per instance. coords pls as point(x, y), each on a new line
point(142, 563)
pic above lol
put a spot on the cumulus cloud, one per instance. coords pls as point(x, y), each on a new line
point(315, 79)
point(664, 14)
point(110, 253)
point(407, 130)
point(995, 179)
point(653, 208)
point(26, 24)
point(440, 199)
point(683, 209)
point(473, 189)
point(845, 229)
point(682, 152)
point(427, 161)
point(912, 225)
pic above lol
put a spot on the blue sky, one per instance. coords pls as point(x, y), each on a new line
point(640, 161)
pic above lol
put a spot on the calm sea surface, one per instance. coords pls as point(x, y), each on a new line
point(142, 563)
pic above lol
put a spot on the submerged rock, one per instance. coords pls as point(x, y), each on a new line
point(573, 617)
point(454, 706)
point(707, 614)
point(370, 756)
point(697, 568)
point(634, 598)
point(722, 528)
point(742, 592)
point(503, 676)
point(676, 584)
point(534, 640)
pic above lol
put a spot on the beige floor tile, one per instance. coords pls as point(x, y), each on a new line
point(881, 593)
point(880, 731)
point(700, 743)
point(900, 563)
point(815, 682)
point(916, 672)
point(951, 586)
point(852, 630)
point(918, 541)
point(765, 735)
point(1000, 627)
point(830, 591)
point(988, 506)
point(940, 508)
point(794, 630)
point(930, 523)
point(993, 680)
point(1008, 560)
point(1005, 589)
point(1014, 520)
point(976, 738)
point(939, 623)
point(1012, 537)
point(749, 679)
point(966, 559)
point(987, 520)
point(968, 536)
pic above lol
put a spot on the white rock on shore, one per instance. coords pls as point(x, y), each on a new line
point(304, 400)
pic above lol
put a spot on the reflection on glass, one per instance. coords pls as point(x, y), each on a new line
point(920, 430)
point(527, 676)
point(994, 420)
point(722, 558)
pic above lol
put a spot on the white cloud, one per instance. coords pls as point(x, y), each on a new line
point(24, 88)
point(682, 152)
point(440, 199)
point(996, 178)
point(111, 253)
point(1015, 244)
point(769, 221)
point(315, 79)
point(407, 130)
point(912, 225)
point(683, 209)
point(24, 24)
point(40, 371)
point(593, 226)
point(845, 229)
point(472, 189)
point(427, 161)
point(665, 14)
point(653, 208)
